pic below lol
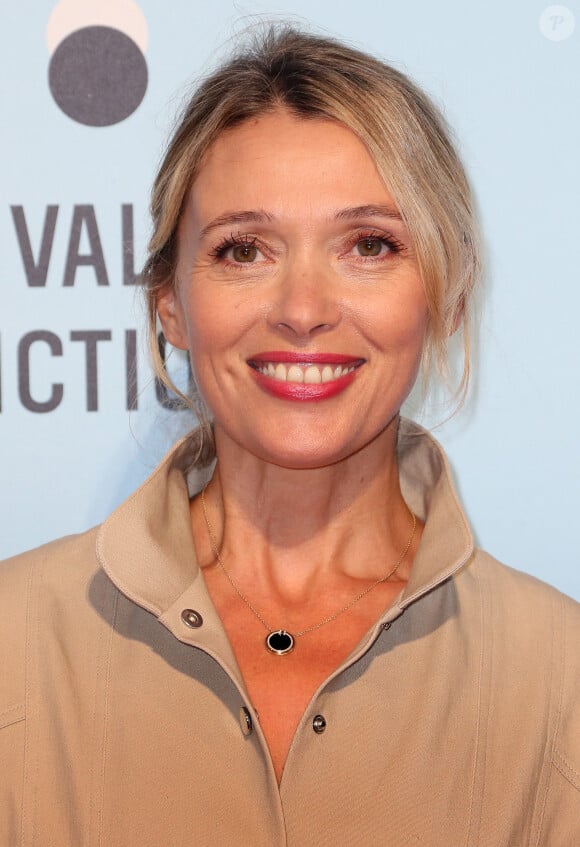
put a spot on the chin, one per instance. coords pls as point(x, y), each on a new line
point(306, 446)
point(304, 462)
point(311, 454)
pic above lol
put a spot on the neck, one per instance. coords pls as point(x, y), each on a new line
point(297, 528)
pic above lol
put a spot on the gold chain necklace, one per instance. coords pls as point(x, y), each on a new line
point(280, 641)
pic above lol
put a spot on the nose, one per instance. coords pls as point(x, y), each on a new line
point(306, 302)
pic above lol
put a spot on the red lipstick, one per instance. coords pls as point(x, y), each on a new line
point(306, 358)
point(303, 391)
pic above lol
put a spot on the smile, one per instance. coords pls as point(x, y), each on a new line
point(304, 376)
point(308, 374)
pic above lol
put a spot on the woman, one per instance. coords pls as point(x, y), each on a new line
point(299, 644)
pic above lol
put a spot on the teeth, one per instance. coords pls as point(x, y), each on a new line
point(308, 374)
point(312, 375)
point(296, 374)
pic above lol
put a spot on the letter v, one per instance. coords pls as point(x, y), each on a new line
point(36, 272)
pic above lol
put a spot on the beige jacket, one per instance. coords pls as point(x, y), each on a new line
point(454, 722)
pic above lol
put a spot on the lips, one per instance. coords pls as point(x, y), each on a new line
point(307, 374)
point(304, 376)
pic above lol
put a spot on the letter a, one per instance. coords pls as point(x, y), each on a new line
point(85, 215)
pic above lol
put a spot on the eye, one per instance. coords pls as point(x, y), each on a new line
point(370, 246)
point(374, 245)
point(244, 252)
point(237, 250)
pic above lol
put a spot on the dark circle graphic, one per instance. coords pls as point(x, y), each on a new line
point(98, 76)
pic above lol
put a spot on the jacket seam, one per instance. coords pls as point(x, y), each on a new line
point(30, 769)
point(19, 715)
point(479, 757)
point(565, 768)
point(99, 778)
point(535, 839)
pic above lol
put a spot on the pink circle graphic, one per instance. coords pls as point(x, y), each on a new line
point(98, 76)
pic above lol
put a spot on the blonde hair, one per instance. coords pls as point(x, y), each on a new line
point(316, 77)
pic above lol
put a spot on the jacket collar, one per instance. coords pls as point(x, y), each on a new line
point(427, 486)
point(146, 545)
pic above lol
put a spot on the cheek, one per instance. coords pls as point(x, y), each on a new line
point(414, 331)
point(219, 317)
point(206, 327)
point(412, 312)
point(217, 328)
point(398, 326)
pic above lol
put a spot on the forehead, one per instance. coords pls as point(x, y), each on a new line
point(282, 162)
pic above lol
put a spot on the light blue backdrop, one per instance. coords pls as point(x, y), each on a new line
point(508, 76)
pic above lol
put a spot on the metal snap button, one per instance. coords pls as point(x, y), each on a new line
point(246, 721)
point(191, 618)
point(319, 724)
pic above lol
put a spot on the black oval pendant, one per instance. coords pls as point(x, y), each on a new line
point(280, 642)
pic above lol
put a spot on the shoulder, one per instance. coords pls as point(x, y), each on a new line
point(54, 575)
point(518, 610)
point(61, 567)
point(526, 600)
point(66, 550)
point(521, 608)
point(534, 631)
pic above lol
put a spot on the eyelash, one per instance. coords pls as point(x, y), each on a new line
point(394, 245)
point(239, 240)
point(219, 251)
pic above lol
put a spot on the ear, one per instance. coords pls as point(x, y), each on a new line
point(171, 315)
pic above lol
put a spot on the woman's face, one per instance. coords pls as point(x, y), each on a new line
point(297, 292)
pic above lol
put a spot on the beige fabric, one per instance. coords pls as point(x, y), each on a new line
point(458, 724)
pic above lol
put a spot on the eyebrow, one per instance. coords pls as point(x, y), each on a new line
point(242, 217)
point(260, 216)
point(356, 212)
